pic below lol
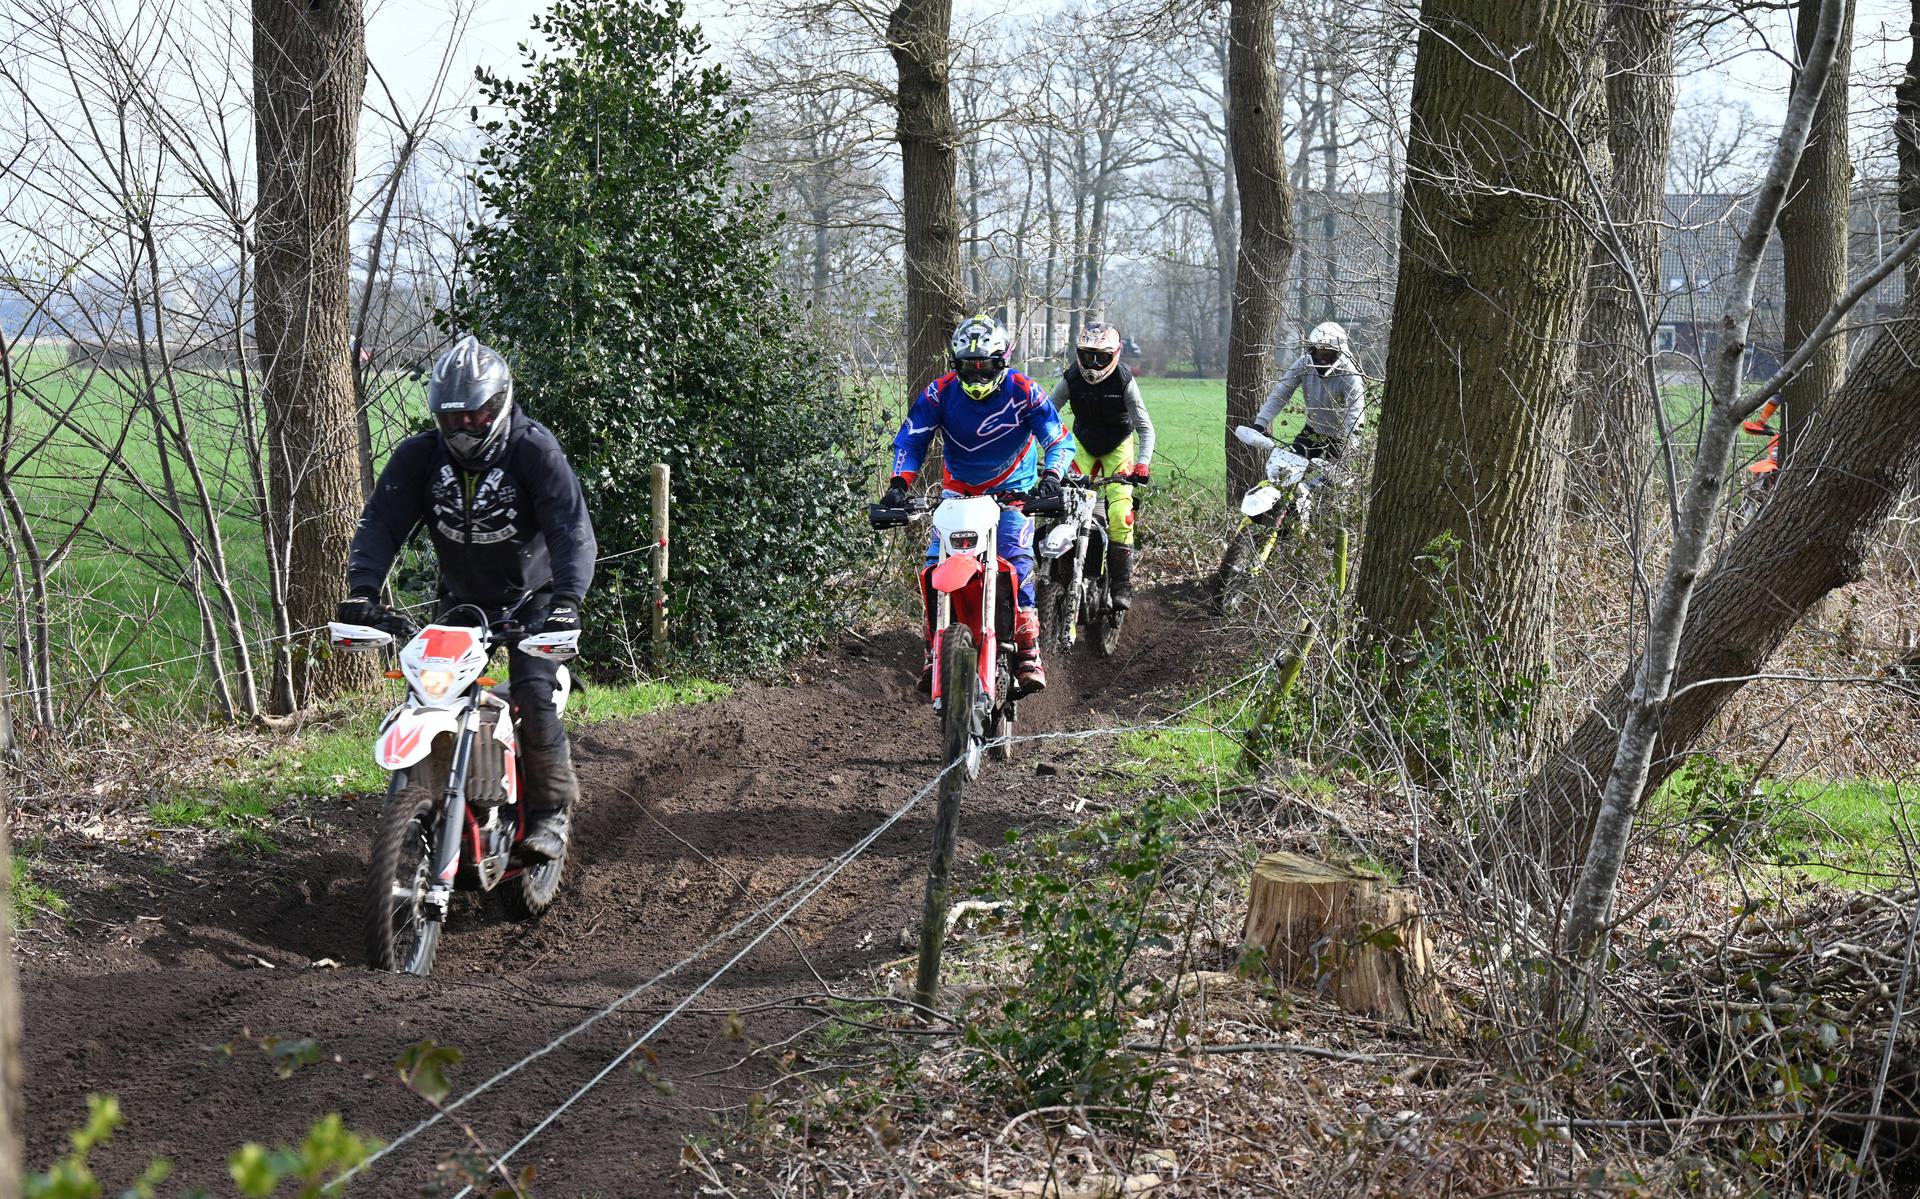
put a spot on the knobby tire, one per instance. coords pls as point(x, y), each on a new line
point(402, 845)
point(959, 686)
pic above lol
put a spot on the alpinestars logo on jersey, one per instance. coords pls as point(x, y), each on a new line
point(492, 517)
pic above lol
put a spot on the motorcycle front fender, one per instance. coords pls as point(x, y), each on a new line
point(955, 573)
point(1260, 500)
point(409, 734)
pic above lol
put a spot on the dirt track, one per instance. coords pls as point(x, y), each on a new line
point(690, 819)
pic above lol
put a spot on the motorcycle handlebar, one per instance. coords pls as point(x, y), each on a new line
point(403, 629)
point(917, 509)
point(1087, 484)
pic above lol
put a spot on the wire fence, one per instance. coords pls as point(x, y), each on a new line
point(795, 897)
point(93, 679)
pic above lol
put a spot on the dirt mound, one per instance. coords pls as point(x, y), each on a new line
point(690, 819)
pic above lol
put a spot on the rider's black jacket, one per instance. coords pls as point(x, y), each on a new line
point(502, 533)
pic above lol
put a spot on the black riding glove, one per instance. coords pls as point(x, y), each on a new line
point(358, 609)
point(896, 496)
point(562, 617)
point(1048, 488)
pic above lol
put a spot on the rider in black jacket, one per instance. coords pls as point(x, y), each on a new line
point(512, 535)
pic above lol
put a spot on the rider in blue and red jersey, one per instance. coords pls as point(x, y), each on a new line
point(1001, 433)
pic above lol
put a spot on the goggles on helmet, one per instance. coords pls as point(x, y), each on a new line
point(1096, 360)
point(979, 372)
point(1323, 355)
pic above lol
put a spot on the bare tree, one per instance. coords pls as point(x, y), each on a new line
point(309, 73)
point(1494, 246)
point(1605, 852)
point(1906, 136)
point(1255, 115)
point(919, 39)
point(1813, 234)
point(1612, 425)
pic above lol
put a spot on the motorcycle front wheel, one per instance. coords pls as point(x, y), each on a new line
point(1230, 582)
point(959, 693)
point(1055, 599)
point(400, 933)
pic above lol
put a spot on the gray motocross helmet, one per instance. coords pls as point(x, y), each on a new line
point(470, 396)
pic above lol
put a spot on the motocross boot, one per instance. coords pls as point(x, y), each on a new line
point(1029, 674)
point(551, 788)
point(1120, 575)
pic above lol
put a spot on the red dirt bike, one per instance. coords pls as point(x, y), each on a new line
point(973, 682)
point(453, 817)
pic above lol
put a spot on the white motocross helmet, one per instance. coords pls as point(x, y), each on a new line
point(1326, 344)
point(1098, 351)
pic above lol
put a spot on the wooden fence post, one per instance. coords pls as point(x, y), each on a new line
point(933, 920)
point(662, 493)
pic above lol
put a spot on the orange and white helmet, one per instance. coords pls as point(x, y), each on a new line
point(1098, 350)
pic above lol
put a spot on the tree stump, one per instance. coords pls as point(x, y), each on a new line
point(1349, 934)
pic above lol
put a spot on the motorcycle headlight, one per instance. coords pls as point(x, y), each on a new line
point(434, 683)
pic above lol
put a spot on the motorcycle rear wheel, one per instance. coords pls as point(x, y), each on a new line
point(1000, 728)
point(1106, 624)
point(528, 894)
point(400, 936)
point(959, 689)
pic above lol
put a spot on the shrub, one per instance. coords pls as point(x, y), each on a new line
point(1085, 905)
point(631, 281)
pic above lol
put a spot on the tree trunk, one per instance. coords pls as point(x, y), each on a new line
point(1811, 537)
point(1255, 114)
point(1226, 229)
point(1331, 928)
point(1813, 239)
point(1612, 424)
point(1906, 136)
point(1494, 249)
point(917, 36)
point(309, 70)
point(13, 1079)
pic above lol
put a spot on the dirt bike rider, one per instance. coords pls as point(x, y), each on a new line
point(1001, 433)
point(1112, 435)
point(512, 536)
point(1335, 394)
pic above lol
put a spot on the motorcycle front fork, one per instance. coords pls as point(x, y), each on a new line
point(1267, 543)
point(453, 820)
point(1077, 589)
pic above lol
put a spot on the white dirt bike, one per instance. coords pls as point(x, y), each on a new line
point(1280, 503)
point(453, 816)
point(1071, 570)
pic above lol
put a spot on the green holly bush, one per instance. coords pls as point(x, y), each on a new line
point(631, 281)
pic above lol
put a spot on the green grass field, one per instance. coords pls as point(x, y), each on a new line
point(1846, 831)
point(94, 456)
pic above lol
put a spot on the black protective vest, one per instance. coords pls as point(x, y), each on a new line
point(1101, 420)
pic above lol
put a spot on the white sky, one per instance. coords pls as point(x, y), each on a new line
point(404, 37)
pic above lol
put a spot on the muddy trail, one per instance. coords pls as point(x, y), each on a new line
point(690, 820)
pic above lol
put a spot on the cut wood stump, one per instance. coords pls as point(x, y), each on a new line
point(1351, 935)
